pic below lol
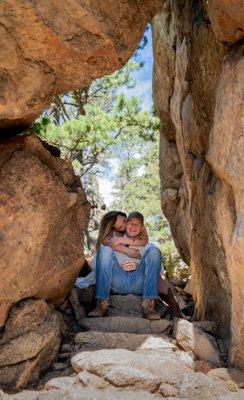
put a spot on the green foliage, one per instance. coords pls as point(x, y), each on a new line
point(86, 123)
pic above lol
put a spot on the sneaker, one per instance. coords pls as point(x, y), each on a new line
point(148, 309)
point(100, 310)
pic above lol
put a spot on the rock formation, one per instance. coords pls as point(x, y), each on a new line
point(44, 213)
point(48, 48)
point(29, 344)
point(156, 369)
point(198, 90)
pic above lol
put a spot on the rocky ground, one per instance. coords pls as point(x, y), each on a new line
point(121, 355)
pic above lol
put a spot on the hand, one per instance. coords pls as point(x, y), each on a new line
point(133, 253)
point(129, 265)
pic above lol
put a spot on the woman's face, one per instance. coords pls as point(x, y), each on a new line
point(120, 224)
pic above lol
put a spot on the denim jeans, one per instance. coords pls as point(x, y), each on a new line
point(111, 278)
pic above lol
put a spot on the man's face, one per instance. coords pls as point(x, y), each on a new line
point(134, 227)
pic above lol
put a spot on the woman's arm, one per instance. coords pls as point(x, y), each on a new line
point(132, 253)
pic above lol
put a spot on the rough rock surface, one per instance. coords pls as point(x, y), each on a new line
point(157, 369)
point(126, 324)
point(48, 48)
point(192, 338)
point(227, 375)
point(227, 18)
point(44, 212)
point(29, 344)
point(95, 340)
point(129, 305)
point(198, 91)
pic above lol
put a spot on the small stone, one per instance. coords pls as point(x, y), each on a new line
point(202, 366)
point(63, 383)
point(206, 326)
point(56, 366)
point(67, 347)
point(157, 343)
point(64, 355)
point(168, 390)
point(193, 339)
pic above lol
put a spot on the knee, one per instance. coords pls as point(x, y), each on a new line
point(156, 256)
point(155, 252)
point(105, 252)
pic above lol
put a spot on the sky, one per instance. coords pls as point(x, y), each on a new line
point(142, 90)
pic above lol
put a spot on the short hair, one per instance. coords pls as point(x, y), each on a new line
point(137, 215)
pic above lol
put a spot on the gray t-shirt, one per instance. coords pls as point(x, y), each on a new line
point(122, 257)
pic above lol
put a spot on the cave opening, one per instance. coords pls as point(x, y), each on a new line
point(105, 145)
point(109, 131)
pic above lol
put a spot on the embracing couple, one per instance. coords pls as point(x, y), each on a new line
point(126, 263)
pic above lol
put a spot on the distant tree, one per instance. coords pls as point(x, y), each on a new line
point(86, 123)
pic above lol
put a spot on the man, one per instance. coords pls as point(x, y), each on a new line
point(119, 274)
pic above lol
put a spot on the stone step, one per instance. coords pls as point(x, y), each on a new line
point(130, 305)
point(127, 324)
point(94, 340)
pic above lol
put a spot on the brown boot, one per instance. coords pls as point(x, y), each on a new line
point(100, 310)
point(148, 309)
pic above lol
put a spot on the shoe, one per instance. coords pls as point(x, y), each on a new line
point(148, 309)
point(100, 310)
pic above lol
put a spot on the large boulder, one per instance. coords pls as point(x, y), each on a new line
point(227, 18)
point(198, 91)
point(48, 48)
point(44, 212)
point(29, 344)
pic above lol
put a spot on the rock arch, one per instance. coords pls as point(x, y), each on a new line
point(50, 47)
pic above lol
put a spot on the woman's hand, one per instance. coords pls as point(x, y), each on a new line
point(129, 265)
point(133, 253)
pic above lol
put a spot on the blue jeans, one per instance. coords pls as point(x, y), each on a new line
point(111, 278)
